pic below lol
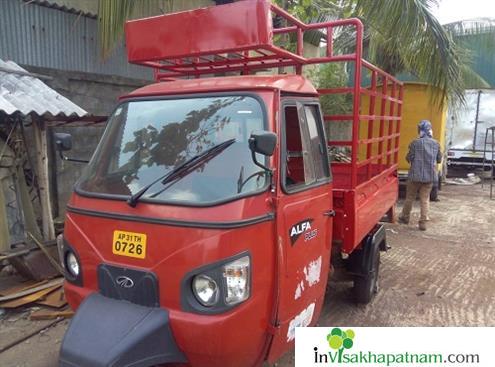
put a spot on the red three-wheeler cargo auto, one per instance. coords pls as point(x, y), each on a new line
point(202, 230)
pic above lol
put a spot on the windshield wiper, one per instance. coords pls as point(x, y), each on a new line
point(183, 169)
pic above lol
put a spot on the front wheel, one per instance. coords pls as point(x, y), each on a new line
point(366, 286)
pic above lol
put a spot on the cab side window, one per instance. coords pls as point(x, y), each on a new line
point(305, 153)
point(316, 141)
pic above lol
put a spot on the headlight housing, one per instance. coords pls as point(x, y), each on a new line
point(217, 287)
point(205, 289)
point(72, 264)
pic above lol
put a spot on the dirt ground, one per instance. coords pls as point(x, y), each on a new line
point(442, 277)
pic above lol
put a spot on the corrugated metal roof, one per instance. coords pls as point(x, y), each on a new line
point(20, 92)
point(31, 34)
point(88, 9)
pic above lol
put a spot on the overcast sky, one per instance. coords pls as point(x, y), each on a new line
point(453, 10)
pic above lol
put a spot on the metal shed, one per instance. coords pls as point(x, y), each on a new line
point(26, 101)
point(24, 93)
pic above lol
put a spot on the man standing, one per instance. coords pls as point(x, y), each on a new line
point(423, 156)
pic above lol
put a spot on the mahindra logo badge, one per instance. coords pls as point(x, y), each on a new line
point(125, 282)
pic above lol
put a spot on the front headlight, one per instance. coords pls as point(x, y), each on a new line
point(205, 290)
point(217, 287)
point(72, 264)
point(237, 279)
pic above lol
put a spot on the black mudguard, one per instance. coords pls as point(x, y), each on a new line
point(360, 261)
point(108, 332)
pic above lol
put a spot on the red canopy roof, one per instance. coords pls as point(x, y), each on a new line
point(288, 83)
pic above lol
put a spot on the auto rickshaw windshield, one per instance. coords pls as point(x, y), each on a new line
point(145, 139)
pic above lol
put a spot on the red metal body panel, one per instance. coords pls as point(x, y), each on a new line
point(301, 294)
point(358, 211)
point(172, 252)
point(286, 83)
point(230, 38)
point(232, 27)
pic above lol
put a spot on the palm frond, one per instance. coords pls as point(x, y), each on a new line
point(405, 36)
point(112, 15)
point(471, 79)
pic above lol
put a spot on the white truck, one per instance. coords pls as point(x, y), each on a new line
point(466, 130)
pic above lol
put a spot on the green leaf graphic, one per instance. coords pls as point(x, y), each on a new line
point(340, 340)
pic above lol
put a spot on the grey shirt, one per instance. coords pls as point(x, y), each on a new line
point(424, 153)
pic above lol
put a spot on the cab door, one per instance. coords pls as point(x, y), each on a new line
point(304, 220)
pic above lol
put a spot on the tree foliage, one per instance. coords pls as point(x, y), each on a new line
point(112, 15)
point(403, 36)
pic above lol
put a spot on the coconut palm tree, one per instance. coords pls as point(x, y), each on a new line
point(112, 15)
point(402, 36)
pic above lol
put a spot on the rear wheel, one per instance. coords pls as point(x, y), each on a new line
point(366, 285)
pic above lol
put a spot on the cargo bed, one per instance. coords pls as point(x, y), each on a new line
point(359, 209)
point(365, 186)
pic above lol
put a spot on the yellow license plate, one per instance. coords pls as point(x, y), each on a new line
point(129, 244)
